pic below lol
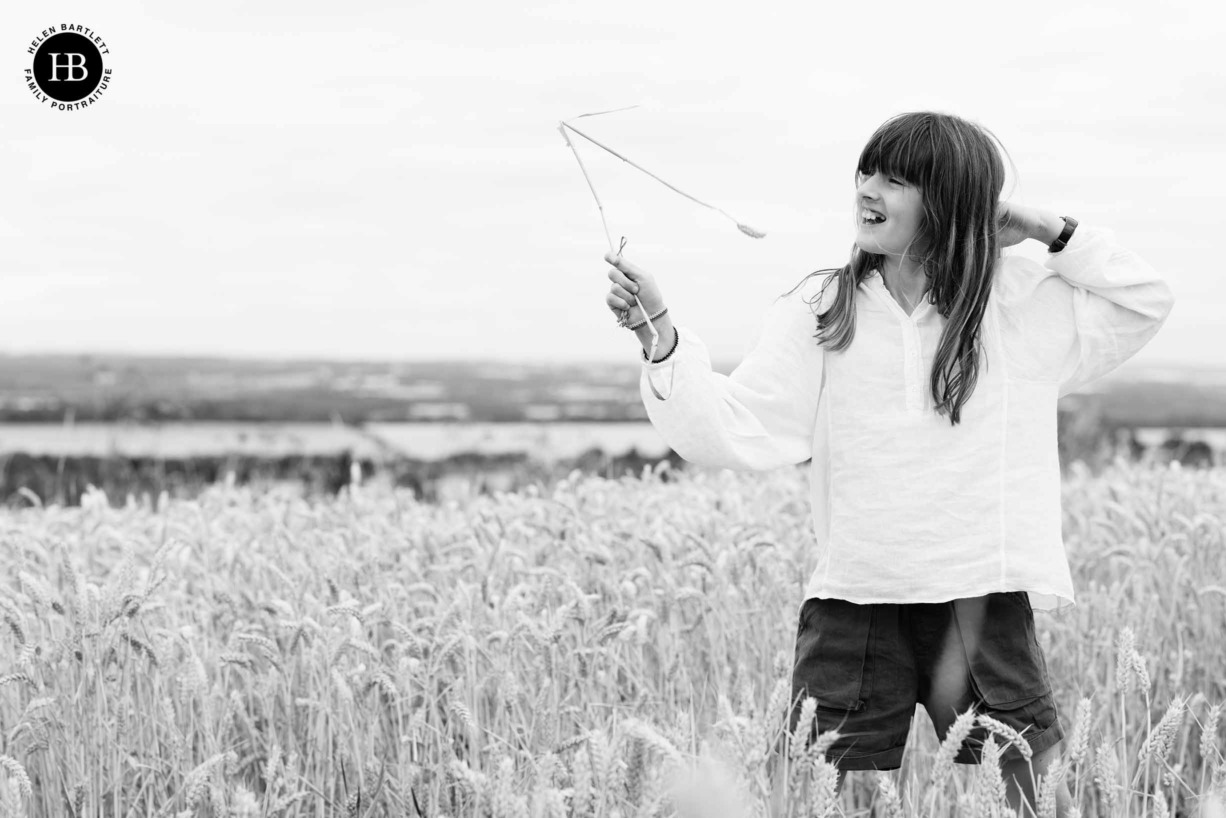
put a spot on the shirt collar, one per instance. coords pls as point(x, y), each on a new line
point(875, 280)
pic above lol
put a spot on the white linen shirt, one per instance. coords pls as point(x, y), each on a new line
point(907, 508)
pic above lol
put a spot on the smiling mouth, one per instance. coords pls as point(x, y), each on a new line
point(869, 217)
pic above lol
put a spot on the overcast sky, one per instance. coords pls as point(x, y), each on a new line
point(385, 180)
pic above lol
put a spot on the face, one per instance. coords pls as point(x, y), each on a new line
point(895, 211)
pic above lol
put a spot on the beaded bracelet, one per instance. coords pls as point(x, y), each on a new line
point(649, 318)
point(676, 341)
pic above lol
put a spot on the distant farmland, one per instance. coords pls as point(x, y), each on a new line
point(113, 388)
point(106, 388)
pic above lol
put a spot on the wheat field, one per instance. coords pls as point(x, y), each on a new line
point(597, 647)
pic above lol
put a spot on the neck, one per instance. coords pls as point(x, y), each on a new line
point(904, 275)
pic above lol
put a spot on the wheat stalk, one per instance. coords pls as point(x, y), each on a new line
point(548, 570)
point(17, 774)
point(943, 764)
point(563, 127)
point(1208, 735)
point(1007, 733)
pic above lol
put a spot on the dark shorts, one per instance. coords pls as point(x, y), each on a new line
point(869, 665)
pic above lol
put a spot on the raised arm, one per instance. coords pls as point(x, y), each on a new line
point(1086, 310)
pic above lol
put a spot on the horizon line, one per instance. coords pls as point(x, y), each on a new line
point(310, 358)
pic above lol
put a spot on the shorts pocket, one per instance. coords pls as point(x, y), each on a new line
point(832, 644)
point(1006, 664)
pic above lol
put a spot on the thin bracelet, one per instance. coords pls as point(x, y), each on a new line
point(676, 341)
point(650, 317)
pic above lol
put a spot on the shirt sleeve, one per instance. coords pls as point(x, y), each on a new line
point(1082, 313)
point(760, 417)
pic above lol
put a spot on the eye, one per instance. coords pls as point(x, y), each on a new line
point(894, 180)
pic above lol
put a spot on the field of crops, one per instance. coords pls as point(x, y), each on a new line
point(599, 647)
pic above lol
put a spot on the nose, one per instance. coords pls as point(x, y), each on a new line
point(867, 189)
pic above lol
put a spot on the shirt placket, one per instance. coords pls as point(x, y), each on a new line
point(913, 377)
point(911, 365)
point(909, 325)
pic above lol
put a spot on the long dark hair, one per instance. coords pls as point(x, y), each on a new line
point(960, 174)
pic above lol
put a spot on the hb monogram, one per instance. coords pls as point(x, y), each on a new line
point(68, 72)
point(71, 66)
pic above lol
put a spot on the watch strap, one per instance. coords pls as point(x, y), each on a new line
point(1070, 224)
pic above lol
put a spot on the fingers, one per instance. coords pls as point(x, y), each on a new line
point(627, 280)
point(620, 280)
point(632, 270)
point(626, 298)
point(619, 302)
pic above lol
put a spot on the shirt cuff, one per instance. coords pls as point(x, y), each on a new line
point(649, 364)
point(1088, 249)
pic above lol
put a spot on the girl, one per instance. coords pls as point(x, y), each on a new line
point(921, 379)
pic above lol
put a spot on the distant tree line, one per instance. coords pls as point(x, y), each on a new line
point(63, 481)
point(1083, 435)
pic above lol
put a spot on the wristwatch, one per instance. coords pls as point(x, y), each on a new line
point(1070, 224)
